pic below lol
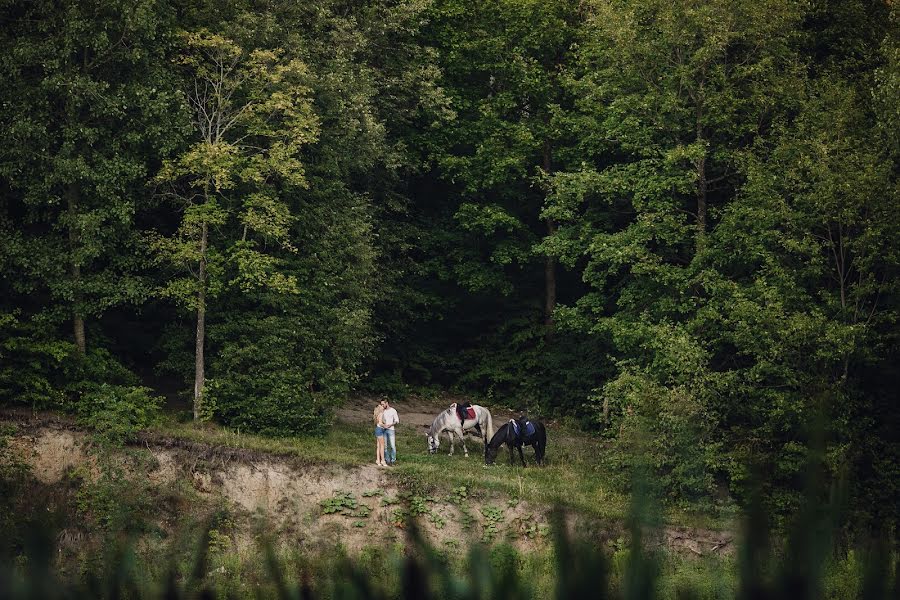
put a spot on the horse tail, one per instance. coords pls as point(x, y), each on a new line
point(490, 427)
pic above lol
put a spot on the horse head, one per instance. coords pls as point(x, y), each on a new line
point(490, 454)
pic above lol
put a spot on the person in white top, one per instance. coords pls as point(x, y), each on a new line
point(389, 418)
point(379, 435)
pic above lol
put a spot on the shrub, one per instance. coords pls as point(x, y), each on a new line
point(116, 413)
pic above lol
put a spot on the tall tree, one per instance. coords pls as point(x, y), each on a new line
point(251, 115)
point(669, 95)
point(502, 62)
point(85, 112)
point(733, 220)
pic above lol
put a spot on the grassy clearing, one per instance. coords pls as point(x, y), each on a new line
point(575, 475)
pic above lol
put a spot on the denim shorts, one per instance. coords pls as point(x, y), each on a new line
point(379, 431)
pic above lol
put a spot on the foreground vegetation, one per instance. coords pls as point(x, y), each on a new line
point(144, 541)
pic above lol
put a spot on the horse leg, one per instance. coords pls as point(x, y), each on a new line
point(462, 438)
point(510, 448)
point(521, 456)
point(450, 437)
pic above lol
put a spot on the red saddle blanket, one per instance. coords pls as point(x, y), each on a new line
point(467, 412)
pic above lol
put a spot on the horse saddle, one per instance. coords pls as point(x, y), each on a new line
point(518, 430)
point(466, 412)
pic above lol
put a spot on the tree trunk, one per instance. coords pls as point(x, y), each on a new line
point(549, 263)
point(549, 285)
point(199, 365)
point(701, 204)
point(75, 270)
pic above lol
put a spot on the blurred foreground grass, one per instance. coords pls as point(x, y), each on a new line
point(806, 567)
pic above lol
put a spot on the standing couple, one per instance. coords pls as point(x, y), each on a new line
point(385, 418)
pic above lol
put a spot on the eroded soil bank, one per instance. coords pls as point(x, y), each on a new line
point(316, 505)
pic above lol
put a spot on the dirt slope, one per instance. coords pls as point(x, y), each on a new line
point(369, 505)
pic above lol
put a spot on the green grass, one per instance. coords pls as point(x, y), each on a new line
point(575, 475)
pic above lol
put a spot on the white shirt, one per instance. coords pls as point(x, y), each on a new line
point(390, 418)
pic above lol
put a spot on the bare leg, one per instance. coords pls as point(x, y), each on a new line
point(379, 450)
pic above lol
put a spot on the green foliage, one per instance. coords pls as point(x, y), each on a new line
point(493, 519)
point(342, 502)
point(730, 221)
point(116, 413)
point(110, 500)
point(31, 362)
point(283, 405)
point(86, 116)
point(14, 474)
point(661, 427)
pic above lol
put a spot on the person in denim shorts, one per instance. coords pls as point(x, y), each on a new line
point(379, 434)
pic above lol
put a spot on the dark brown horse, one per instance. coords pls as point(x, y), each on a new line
point(516, 434)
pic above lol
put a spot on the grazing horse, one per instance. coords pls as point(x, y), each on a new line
point(449, 421)
point(516, 434)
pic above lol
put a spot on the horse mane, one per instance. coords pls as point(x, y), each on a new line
point(434, 430)
point(500, 439)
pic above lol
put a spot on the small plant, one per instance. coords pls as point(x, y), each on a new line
point(532, 530)
point(618, 545)
point(218, 541)
point(437, 520)
point(399, 517)
point(345, 504)
point(468, 519)
point(459, 495)
point(372, 493)
point(341, 502)
point(417, 506)
point(493, 517)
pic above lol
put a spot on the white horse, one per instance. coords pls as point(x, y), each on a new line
point(448, 421)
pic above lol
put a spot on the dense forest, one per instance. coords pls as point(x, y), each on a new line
point(673, 222)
